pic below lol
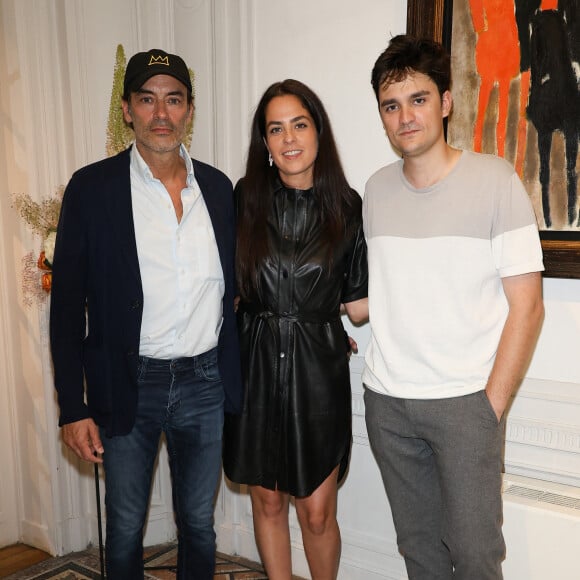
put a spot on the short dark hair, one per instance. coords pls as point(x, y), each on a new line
point(407, 54)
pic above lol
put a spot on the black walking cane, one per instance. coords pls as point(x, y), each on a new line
point(99, 521)
point(100, 528)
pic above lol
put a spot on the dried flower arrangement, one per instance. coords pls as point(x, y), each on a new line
point(42, 218)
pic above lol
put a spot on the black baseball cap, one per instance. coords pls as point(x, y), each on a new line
point(144, 65)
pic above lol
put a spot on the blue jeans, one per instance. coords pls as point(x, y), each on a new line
point(184, 399)
point(441, 463)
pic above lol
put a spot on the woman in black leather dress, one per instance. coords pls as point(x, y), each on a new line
point(301, 255)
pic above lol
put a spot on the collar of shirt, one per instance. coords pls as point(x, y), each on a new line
point(142, 169)
point(189, 195)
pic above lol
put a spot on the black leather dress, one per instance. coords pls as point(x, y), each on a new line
point(296, 423)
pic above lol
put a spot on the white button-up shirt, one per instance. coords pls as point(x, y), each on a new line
point(181, 274)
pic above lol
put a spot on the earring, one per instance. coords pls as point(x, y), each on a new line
point(270, 160)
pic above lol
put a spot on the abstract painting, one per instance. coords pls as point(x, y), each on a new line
point(516, 73)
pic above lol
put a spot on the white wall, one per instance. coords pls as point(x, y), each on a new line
point(56, 64)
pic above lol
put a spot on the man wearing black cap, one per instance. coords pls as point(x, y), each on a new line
point(142, 312)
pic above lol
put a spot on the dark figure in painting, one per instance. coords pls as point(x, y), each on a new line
point(524, 11)
point(570, 11)
point(554, 102)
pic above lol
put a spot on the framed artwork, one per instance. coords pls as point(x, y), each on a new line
point(516, 69)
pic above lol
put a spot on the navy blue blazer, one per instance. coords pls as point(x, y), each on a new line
point(97, 297)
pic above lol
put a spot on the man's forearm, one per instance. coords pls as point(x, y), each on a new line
point(517, 340)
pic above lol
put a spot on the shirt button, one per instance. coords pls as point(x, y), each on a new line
point(282, 355)
point(285, 273)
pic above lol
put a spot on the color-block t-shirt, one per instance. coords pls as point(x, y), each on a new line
point(436, 259)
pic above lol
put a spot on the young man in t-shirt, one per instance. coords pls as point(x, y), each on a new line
point(455, 309)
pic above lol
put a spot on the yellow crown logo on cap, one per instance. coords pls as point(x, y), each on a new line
point(159, 60)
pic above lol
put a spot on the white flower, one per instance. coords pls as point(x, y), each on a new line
point(49, 247)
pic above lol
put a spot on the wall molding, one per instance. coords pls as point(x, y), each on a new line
point(543, 434)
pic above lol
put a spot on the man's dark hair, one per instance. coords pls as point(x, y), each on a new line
point(407, 54)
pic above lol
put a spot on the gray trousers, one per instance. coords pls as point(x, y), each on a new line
point(441, 462)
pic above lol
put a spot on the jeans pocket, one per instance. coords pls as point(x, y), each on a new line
point(210, 371)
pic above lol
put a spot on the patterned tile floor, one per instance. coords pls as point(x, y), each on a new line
point(158, 561)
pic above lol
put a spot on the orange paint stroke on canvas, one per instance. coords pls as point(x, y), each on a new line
point(497, 59)
point(549, 5)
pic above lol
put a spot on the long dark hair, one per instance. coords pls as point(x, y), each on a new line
point(336, 201)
